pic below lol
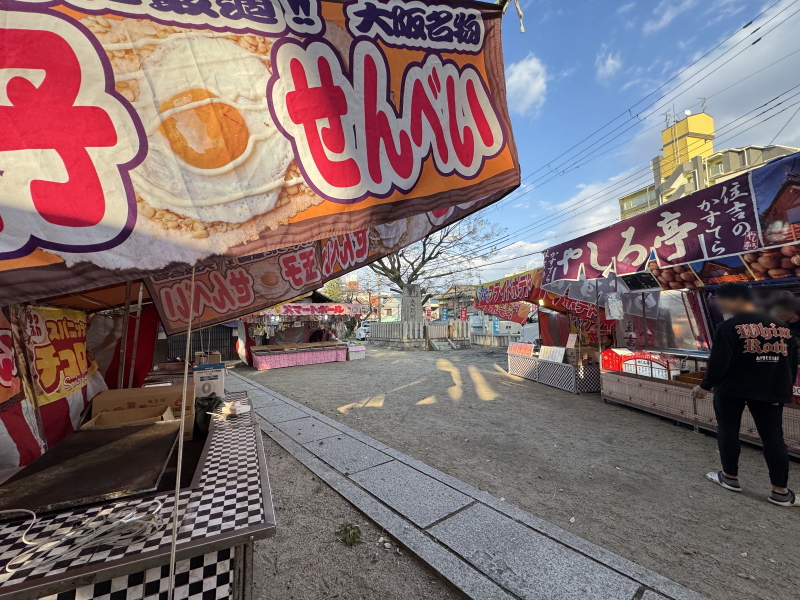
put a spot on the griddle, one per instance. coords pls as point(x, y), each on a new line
point(93, 465)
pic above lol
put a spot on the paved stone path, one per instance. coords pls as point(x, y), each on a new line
point(487, 548)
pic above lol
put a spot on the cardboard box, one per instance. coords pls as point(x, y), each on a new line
point(207, 358)
point(166, 396)
point(133, 416)
point(209, 379)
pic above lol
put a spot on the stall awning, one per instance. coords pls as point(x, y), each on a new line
point(743, 229)
point(212, 151)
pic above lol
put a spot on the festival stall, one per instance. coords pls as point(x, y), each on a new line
point(565, 356)
point(212, 159)
point(296, 334)
point(655, 274)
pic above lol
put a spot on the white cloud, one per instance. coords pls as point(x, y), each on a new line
point(519, 256)
point(607, 64)
point(766, 83)
point(723, 9)
point(666, 12)
point(625, 8)
point(526, 85)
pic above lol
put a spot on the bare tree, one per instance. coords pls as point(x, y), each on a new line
point(441, 260)
point(371, 291)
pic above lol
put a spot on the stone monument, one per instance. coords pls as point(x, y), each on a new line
point(411, 309)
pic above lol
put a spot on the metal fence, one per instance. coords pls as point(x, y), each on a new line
point(215, 338)
point(498, 340)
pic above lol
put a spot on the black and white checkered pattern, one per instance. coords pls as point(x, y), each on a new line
point(578, 380)
point(587, 379)
point(204, 577)
point(221, 420)
point(228, 498)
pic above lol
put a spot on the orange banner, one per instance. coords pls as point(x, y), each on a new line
point(142, 135)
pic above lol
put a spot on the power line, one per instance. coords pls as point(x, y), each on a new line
point(539, 226)
point(721, 129)
point(559, 171)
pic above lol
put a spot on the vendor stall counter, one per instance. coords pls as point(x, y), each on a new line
point(225, 509)
point(578, 379)
point(293, 355)
point(673, 399)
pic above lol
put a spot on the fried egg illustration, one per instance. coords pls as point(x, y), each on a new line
point(214, 153)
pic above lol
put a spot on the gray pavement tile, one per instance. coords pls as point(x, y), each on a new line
point(347, 455)
point(278, 413)
point(416, 496)
point(649, 578)
point(626, 567)
point(463, 576)
point(527, 563)
point(651, 595)
point(264, 401)
point(307, 429)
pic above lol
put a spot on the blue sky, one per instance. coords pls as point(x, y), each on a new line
point(581, 64)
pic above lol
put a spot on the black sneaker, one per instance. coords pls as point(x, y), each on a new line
point(719, 478)
point(789, 499)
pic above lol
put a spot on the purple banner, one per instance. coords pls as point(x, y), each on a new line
point(711, 223)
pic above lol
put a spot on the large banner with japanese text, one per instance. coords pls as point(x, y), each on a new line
point(525, 286)
point(56, 346)
point(314, 309)
point(746, 228)
point(235, 287)
point(50, 376)
point(143, 136)
point(714, 222)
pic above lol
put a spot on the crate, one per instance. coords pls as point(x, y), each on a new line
point(693, 378)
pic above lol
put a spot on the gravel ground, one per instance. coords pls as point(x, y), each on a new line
point(306, 561)
point(628, 481)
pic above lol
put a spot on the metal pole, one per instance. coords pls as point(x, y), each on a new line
point(597, 305)
point(136, 334)
point(124, 347)
point(182, 427)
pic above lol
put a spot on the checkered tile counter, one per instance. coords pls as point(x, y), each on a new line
point(228, 508)
point(575, 379)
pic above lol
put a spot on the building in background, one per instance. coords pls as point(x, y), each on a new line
point(456, 298)
point(689, 163)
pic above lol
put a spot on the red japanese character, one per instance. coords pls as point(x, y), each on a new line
point(379, 132)
point(242, 284)
point(306, 106)
point(44, 117)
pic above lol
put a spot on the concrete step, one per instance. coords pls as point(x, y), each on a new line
point(440, 345)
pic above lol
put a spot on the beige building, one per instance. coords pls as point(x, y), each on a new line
point(689, 163)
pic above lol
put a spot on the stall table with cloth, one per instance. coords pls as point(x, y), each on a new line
point(293, 355)
point(227, 508)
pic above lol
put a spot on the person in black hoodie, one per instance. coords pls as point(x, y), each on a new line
point(753, 362)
